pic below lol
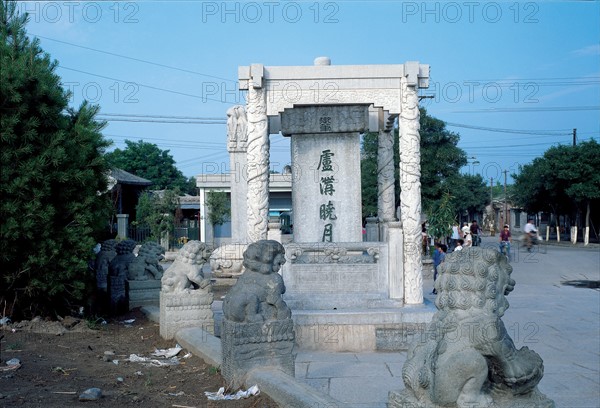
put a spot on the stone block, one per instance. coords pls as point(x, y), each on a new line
point(185, 309)
point(405, 399)
point(398, 338)
point(143, 293)
point(326, 200)
point(325, 119)
point(247, 346)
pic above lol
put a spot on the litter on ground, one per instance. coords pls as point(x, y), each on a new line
point(221, 396)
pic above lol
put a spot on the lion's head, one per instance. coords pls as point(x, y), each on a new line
point(125, 247)
point(474, 278)
point(264, 256)
point(151, 252)
point(194, 252)
point(108, 245)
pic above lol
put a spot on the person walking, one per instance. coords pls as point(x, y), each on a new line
point(438, 257)
point(454, 237)
point(475, 233)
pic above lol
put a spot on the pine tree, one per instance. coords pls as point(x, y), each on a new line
point(53, 173)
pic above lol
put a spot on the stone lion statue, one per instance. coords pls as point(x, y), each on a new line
point(146, 265)
point(466, 357)
point(186, 272)
point(101, 265)
point(119, 265)
point(256, 296)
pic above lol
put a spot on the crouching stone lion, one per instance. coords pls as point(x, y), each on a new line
point(186, 272)
point(466, 357)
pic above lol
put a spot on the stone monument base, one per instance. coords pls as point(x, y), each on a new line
point(252, 345)
point(118, 303)
point(185, 309)
point(360, 330)
point(143, 292)
point(502, 399)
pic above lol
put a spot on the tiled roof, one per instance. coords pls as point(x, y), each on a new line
point(124, 177)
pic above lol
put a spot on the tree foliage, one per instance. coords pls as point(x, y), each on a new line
point(564, 181)
point(157, 212)
point(442, 216)
point(147, 160)
point(52, 173)
point(470, 194)
point(219, 207)
point(441, 160)
point(368, 171)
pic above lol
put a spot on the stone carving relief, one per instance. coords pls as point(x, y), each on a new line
point(227, 261)
point(331, 254)
point(237, 124)
point(466, 357)
point(285, 98)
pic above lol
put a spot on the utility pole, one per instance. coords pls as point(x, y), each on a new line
point(575, 137)
point(492, 212)
point(506, 215)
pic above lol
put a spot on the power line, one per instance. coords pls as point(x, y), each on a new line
point(134, 115)
point(142, 120)
point(511, 146)
point(145, 86)
point(133, 59)
point(558, 132)
point(526, 109)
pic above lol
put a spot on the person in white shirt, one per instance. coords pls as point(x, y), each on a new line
point(468, 240)
point(454, 237)
point(530, 234)
point(459, 245)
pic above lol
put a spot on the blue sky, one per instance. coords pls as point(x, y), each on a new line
point(529, 67)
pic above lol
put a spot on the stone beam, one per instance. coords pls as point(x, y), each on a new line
point(372, 85)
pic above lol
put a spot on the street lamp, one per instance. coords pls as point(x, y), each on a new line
point(472, 161)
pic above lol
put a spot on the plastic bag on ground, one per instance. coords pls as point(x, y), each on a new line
point(220, 395)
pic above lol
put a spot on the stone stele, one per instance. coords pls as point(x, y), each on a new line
point(186, 296)
point(466, 357)
point(257, 327)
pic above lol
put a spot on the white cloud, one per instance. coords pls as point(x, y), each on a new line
point(587, 51)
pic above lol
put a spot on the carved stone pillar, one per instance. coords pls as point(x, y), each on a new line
point(385, 177)
point(395, 261)
point(122, 225)
point(410, 194)
point(258, 162)
point(237, 145)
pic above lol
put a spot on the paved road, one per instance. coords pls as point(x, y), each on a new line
point(561, 323)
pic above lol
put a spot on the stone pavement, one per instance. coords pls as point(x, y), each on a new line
point(561, 323)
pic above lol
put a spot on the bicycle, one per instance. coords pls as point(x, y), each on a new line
point(505, 249)
point(533, 239)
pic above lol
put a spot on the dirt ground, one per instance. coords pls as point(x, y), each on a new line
point(56, 369)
